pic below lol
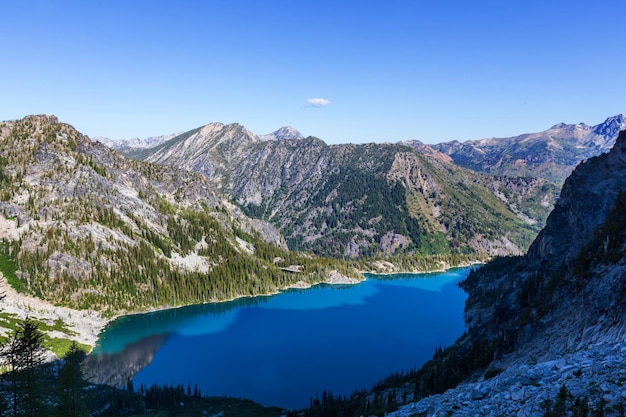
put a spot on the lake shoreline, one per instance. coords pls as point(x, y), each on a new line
point(89, 324)
point(266, 338)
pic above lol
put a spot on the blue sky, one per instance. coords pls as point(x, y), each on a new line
point(380, 71)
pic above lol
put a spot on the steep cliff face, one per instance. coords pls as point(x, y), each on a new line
point(574, 262)
point(357, 200)
point(587, 198)
point(550, 327)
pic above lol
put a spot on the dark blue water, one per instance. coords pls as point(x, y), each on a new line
point(283, 349)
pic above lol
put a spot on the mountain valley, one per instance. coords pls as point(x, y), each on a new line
point(219, 212)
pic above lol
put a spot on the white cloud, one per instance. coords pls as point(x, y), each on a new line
point(317, 102)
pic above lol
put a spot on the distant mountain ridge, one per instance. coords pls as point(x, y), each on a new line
point(551, 154)
point(128, 145)
point(134, 143)
point(359, 200)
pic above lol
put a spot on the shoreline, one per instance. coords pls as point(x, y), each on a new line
point(88, 325)
point(433, 271)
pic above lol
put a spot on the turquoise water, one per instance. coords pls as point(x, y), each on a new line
point(282, 349)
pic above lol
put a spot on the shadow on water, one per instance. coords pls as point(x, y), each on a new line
point(130, 343)
point(280, 350)
point(128, 330)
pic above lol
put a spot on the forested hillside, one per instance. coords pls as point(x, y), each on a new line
point(362, 200)
point(85, 227)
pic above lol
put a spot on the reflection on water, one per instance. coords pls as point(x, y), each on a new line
point(215, 317)
point(119, 368)
point(282, 349)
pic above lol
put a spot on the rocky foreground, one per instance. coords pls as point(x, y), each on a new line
point(596, 372)
point(557, 318)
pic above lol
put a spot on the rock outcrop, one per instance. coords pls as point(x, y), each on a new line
point(552, 324)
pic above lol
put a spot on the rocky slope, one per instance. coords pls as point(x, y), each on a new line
point(286, 132)
point(359, 200)
point(551, 154)
point(550, 326)
point(83, 226)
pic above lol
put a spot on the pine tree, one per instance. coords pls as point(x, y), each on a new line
point(23, 353)
point(70, 384)
point(10, 356)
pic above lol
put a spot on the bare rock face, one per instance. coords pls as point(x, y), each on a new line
point(85, 226)
point(390, 242)
point(346, 200)
point(588, 196)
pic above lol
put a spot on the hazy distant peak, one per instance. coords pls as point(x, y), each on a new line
point(134, 143)
point(286, 132)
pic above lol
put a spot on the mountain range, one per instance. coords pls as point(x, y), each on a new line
point(293, 183)
point(84, 226)
point(551, 154)
point(217, 212)
point(73, 208)
point(361, 200)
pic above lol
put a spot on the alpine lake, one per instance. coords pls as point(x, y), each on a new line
point(283, 349)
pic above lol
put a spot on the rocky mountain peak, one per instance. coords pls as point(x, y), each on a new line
point(284, 133)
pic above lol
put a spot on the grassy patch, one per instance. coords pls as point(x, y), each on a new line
point(8, 269)
point(57, 345)
point(59, 325)
point(60, 346)
point(10, 322)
